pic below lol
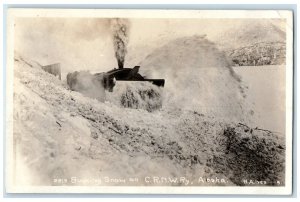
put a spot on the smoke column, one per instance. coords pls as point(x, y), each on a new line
point(120, 29)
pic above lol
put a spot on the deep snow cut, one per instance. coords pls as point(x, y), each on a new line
point(61, 134)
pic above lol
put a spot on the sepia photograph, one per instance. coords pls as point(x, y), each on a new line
point(149, 101)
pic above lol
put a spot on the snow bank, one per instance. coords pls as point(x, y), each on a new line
point(248, 153)
point(44, 136)
point(198, 77)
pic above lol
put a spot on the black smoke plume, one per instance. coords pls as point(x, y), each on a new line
point(120, 29)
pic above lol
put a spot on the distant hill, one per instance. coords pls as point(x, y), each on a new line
point(254, 43)
point(237, 38)
point(249, 32)
point(264, 53)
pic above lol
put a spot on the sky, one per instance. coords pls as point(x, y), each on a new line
point(86, 43)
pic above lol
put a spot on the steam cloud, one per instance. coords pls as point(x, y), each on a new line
point(120, 29)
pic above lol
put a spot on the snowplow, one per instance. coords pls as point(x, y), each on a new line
point(109, 79)
point(135, 92)
point(125, 74)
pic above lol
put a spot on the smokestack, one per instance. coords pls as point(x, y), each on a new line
point(120, 29)
point(120, 64)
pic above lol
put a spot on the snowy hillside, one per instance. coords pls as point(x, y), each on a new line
point(60, 134)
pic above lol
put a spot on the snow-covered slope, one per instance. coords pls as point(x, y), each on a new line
point(60, 134)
